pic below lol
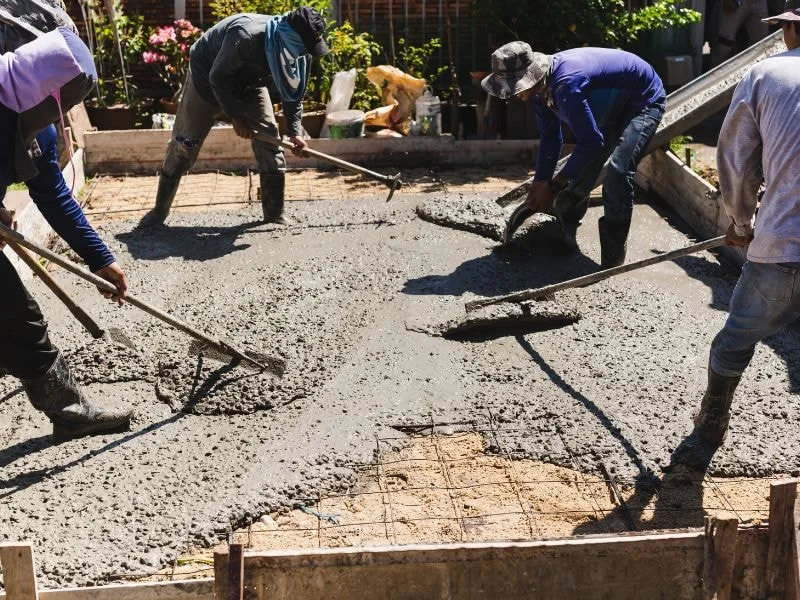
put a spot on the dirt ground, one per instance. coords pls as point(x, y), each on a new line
point(550, 432)
point(445, 487)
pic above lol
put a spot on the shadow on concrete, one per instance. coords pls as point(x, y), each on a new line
point(189, 243)
point(499, 273)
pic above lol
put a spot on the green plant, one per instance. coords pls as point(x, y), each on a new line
point(677, 143)
point(167, 52)
point(577, 22)
point(348, 50)
point(114, 52)
point(225, 8)
point(417, 61)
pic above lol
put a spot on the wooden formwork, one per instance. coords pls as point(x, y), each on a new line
point(723, 561)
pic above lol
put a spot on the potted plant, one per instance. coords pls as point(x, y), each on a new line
point(115, 40)
point(167, 52)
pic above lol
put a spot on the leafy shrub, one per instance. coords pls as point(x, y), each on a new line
point(167, 52)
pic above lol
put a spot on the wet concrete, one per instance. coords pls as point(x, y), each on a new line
point(214, 446)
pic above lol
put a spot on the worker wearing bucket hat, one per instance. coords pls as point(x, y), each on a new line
point(613, 102)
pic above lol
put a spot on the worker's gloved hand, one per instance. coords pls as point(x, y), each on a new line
point(540, 197)
point(7, 219)
point(300, 146)
point(114, 274)
point(241, 128)
point(739, 239)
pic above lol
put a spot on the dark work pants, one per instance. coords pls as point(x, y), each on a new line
point(25, 348)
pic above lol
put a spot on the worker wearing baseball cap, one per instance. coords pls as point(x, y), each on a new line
point(613, 102)
point(229, 68)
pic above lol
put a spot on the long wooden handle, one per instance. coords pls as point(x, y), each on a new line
point(347, 166)
point(591, 278)
point(9, 235)
point(83, 317)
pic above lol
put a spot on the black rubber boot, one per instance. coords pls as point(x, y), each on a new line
point(59, 396)
point(711, 423)
point(569, 209)
point(613, 242)
point(167, 188)
point(273, 186)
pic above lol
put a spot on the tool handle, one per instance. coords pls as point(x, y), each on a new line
point(83, 317)
point(11, 236)
point(591, 278)
point(347, 166)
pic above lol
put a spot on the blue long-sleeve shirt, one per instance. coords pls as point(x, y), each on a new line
point(590, 88)
point(51, 194)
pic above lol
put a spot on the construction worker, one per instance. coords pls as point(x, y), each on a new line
point(760, 139)
point(228, 71)
point(613, 102)
point(38, 80)
point(730, 16)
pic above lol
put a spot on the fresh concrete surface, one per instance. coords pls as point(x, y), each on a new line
point(333, 294)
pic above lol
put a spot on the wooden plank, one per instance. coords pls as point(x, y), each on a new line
point(781, 566)
point(235, 572)
point(619, 567)
point(196, 589)
point(221, 575)
point(19, 574)
point(720, 557)
point(142, 152)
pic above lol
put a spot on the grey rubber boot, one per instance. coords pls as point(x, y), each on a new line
point(711, 422)
point(613, 242)
point(59, 396)
point(167, 188)
point(273, 186)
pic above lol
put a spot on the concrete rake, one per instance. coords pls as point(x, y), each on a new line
point(207, 345)
point(549, 290)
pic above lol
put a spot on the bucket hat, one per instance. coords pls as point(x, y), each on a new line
point(791, 13)
point(515, 68)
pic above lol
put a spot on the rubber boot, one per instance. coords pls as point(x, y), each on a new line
point(167, 188)
point(59, 396)
point(273, 186)
point(569, 209)
point(613, 242)
point(711, 423)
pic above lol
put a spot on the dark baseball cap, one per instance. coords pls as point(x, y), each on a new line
point(515, 68)
point(307, 22)
point(791, 13)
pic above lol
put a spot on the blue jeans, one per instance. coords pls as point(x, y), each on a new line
point(632, 137)
point(767, 297)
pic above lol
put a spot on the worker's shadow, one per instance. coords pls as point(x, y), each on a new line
point(502, 272)
point(673, 499)
point(721, 280)
point(190, 243)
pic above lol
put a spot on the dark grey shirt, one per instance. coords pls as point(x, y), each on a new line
point(229, 62)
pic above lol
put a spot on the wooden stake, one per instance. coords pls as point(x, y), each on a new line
point(720, 556)
point(235, 572)
point(782, 568)
point(19, 575)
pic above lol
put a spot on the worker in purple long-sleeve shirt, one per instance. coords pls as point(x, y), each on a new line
point(40, 78)
point(612, 101)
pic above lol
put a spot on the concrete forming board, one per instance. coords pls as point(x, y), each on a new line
point(214, 447)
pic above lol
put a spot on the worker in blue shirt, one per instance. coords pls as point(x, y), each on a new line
point(612, 101)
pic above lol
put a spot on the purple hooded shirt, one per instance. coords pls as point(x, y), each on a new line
point(39, 81)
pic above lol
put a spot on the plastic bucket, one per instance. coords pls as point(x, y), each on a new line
point(346, 124)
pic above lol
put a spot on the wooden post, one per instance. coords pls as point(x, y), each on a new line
point(235, 572)
point(19, 575)
point(720, 556)
point(782, 568)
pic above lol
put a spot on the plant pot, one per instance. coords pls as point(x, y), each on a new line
point(311, 121)
point(108, 118)
point(168, 106)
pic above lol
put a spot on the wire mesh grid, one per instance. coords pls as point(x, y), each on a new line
point(441, 486)
point(125, 196)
